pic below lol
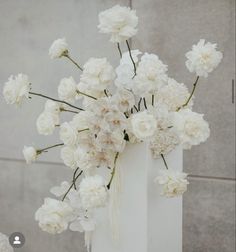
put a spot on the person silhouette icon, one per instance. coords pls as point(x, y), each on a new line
point(17, 240)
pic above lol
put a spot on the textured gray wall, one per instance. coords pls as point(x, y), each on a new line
point(168, 28)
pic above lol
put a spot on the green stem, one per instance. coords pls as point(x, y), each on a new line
point(75, 63)
point(90, 96)
point(82, 130)
point(144, 102)
point(118, 46)
point(113, 171)
point(130, 54)
point(74, 175)
point(67, 110)
point(153, 99)
point(193, 90)
point(50, 147)
point(56, 100)
point(163, 158)
point(75, 179)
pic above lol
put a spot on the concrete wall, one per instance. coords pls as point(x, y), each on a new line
point(168, 28)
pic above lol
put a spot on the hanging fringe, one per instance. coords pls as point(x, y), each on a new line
point(88, 239)
point(114, 205)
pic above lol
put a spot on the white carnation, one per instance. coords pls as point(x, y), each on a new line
point(45, 123)
point(203, 58)
point(81, 120)
point(174, 95)
point(125, 73)
point(163, 142)
point(173, 183)
point(59, 191)
point(97, 75)
point(124, 99)
point(151, 75)
point(120, 22)
point(68, 134)
point(69, 157)
point(143, 125)
point(58, 48)
point(53, 216)
point(30, 154)
point(16, 89)
point(93, 192)
point(67, 90)
point(4, 244)
point(191, 127)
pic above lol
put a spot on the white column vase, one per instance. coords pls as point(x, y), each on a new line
point(147, 221)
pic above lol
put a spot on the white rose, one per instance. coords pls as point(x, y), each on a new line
point(93, 192)
point(203, 58)
point(45, 123)
point(173, 183)
point(16, 89)
point(68, 134)
point(143, 125)
point(191, 128)
point(30, 154)
point(68, 156)
point(67, 89)
point(53, 216)
point(4, 244)
point(124, 99)
point(97, 75)
point(58, 48)
point(120, 22)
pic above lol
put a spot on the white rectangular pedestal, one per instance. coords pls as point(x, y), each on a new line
point(148, 222)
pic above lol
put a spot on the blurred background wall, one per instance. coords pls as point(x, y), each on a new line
point(166, 27)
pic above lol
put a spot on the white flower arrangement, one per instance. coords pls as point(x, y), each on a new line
point(134, 102)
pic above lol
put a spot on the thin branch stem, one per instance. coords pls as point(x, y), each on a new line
point(75, 179)
point(75, 63)
point(144, 102)
point(130, 54)
point(67, 110)
point(136, 108)
point(139, 104)
point(113, 171)
point(153, 99)
point(53, 99)
point(74, 175)
point(118, 46)
point(90, 96)
point(163, 158)
point(193, 90)
point(50, 147)
point(82, 130)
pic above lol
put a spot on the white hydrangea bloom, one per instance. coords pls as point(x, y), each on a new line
point(16, 89)
point(45, 123)
point(191, 127)
point(83, 224)
point(81, 120)
point(68, 134)
point(93, 192)
point(151, 75)
point(203, 58)
point(67, 90)
point(69, 157)
point(97, 75)
point(120, 22)
point(30, 154)
point(54, 215)
point(163, 141)
point(173, 183)
point(52, 107)
point(143, 125)
point(58, 48)
point(4, 244)
point(174, 95)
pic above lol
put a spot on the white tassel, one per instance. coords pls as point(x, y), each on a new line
point(88, 239)
point(114, 206)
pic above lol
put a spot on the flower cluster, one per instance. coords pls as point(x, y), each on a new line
point(136, 101)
